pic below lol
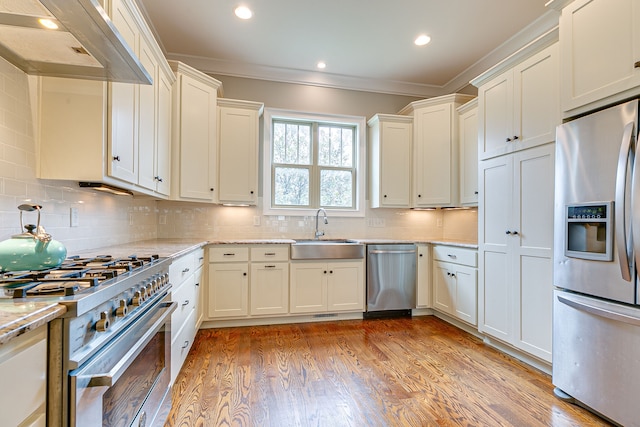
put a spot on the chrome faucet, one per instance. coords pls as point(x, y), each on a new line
point(326, 221)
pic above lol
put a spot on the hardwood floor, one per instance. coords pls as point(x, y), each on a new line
point(417, 371)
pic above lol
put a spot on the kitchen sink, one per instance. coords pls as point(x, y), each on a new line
point(327, 249)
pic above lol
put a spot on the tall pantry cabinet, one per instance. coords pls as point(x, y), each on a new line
point(518, 111)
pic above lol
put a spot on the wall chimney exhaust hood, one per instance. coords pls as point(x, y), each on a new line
point(86, 43)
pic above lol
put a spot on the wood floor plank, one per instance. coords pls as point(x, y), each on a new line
point(382, 372)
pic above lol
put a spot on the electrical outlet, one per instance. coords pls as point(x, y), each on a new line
point(162, 219)
point(73, 217)
point(256, 220)
point(439, 222)
point(130, 218)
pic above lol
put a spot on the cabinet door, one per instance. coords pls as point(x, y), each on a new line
point(123, 140)
point(536, 99)
point(394, 164)
point(435, 147)
point(423, 277)
point(163, 138)
point(468, 136)
point(147, 120)
point(345, 286)
point(228, 290)
point(197, 139)
point(600, 44)
point(494, 220)
point(443, 287)
point(533, 249)
point(269, 288)
point(238, 155)
point(495, 115)
point(466, 293)
point(308, 288)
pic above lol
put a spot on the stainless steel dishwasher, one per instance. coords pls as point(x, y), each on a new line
point(391, 280)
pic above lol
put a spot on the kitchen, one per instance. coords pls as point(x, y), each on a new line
point(113, 220)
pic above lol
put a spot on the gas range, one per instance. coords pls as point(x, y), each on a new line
point(82, 283)
point(118, 314)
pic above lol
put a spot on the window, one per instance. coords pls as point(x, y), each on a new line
point(311, 162)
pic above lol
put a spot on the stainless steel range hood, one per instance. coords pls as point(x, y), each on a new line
point(85, 45)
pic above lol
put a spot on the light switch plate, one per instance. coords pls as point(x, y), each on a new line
point(73, 217)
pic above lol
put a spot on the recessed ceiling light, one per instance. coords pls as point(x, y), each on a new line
point(48, 23)
point(422, 40)
point(321, 65)
point(243, 12)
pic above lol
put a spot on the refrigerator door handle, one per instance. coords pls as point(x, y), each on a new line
point(621, 187)
point(594, 309)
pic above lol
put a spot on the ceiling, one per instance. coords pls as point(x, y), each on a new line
point(366, 44)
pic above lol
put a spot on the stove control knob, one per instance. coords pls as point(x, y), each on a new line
point(165, 278)
point(138, 298)
point(157, 283)
point(103, 324)
point(149, 288)
point(123, 309)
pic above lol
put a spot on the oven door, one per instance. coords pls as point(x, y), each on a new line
point(126, 382)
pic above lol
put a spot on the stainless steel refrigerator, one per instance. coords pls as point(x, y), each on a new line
point(596, 324)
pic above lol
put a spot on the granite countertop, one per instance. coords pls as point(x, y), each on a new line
point(16, 318)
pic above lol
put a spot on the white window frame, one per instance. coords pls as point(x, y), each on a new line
point(360, 160)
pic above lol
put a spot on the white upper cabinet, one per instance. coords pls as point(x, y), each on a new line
point(390, 150)
point(518, 106)
point(435, 150)
point(468, 137)
point(600, 51)
point(109, 132)
point(238, 134)
point(194, 135)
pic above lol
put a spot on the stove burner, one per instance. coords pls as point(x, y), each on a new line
point(73, 276)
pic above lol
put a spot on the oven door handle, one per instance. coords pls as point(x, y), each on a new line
point(108, 379)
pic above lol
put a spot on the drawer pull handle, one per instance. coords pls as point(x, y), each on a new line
point(452, 256)
point(636, 64)
point(198, 284)
point(186, 270)
point(269, 266)
point(201, 258)
point(270, 254)
point(186, 344)
point(229, 254)
point(186, 302)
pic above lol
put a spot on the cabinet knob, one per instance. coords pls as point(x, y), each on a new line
point(186, 302)
point(330, 271)
point(385, 196)
point(244, 274)
point(211, 189)
point(507, 232)
point(475, 192)
point(515, 137)
point(250, 192)
point(116, 158)
point(419, 255)
point(636, 64)
point(419, 195)
point(157, 178)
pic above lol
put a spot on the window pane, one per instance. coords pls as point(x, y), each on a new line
point(335, 146)
point(291, 186)
point(336, 188)
point(291, 143)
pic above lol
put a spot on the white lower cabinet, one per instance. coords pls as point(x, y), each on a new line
point(320, 286)
point(246, 280)
point(23, 369)
point(185, 274)
point(269, 288)
point(455, 282)
point(423, 276)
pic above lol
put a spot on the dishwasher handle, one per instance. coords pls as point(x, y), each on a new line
point(379, 251)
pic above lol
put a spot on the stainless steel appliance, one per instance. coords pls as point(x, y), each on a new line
point(391, 279)
point(596, 327)
point(110, 354)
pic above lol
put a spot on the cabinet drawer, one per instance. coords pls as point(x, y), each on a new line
point(227, 253)
point(181, 268)
point(185, 296)
point(198, 258)
point(456, 255)
point(270, 253)
point(181, 345)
